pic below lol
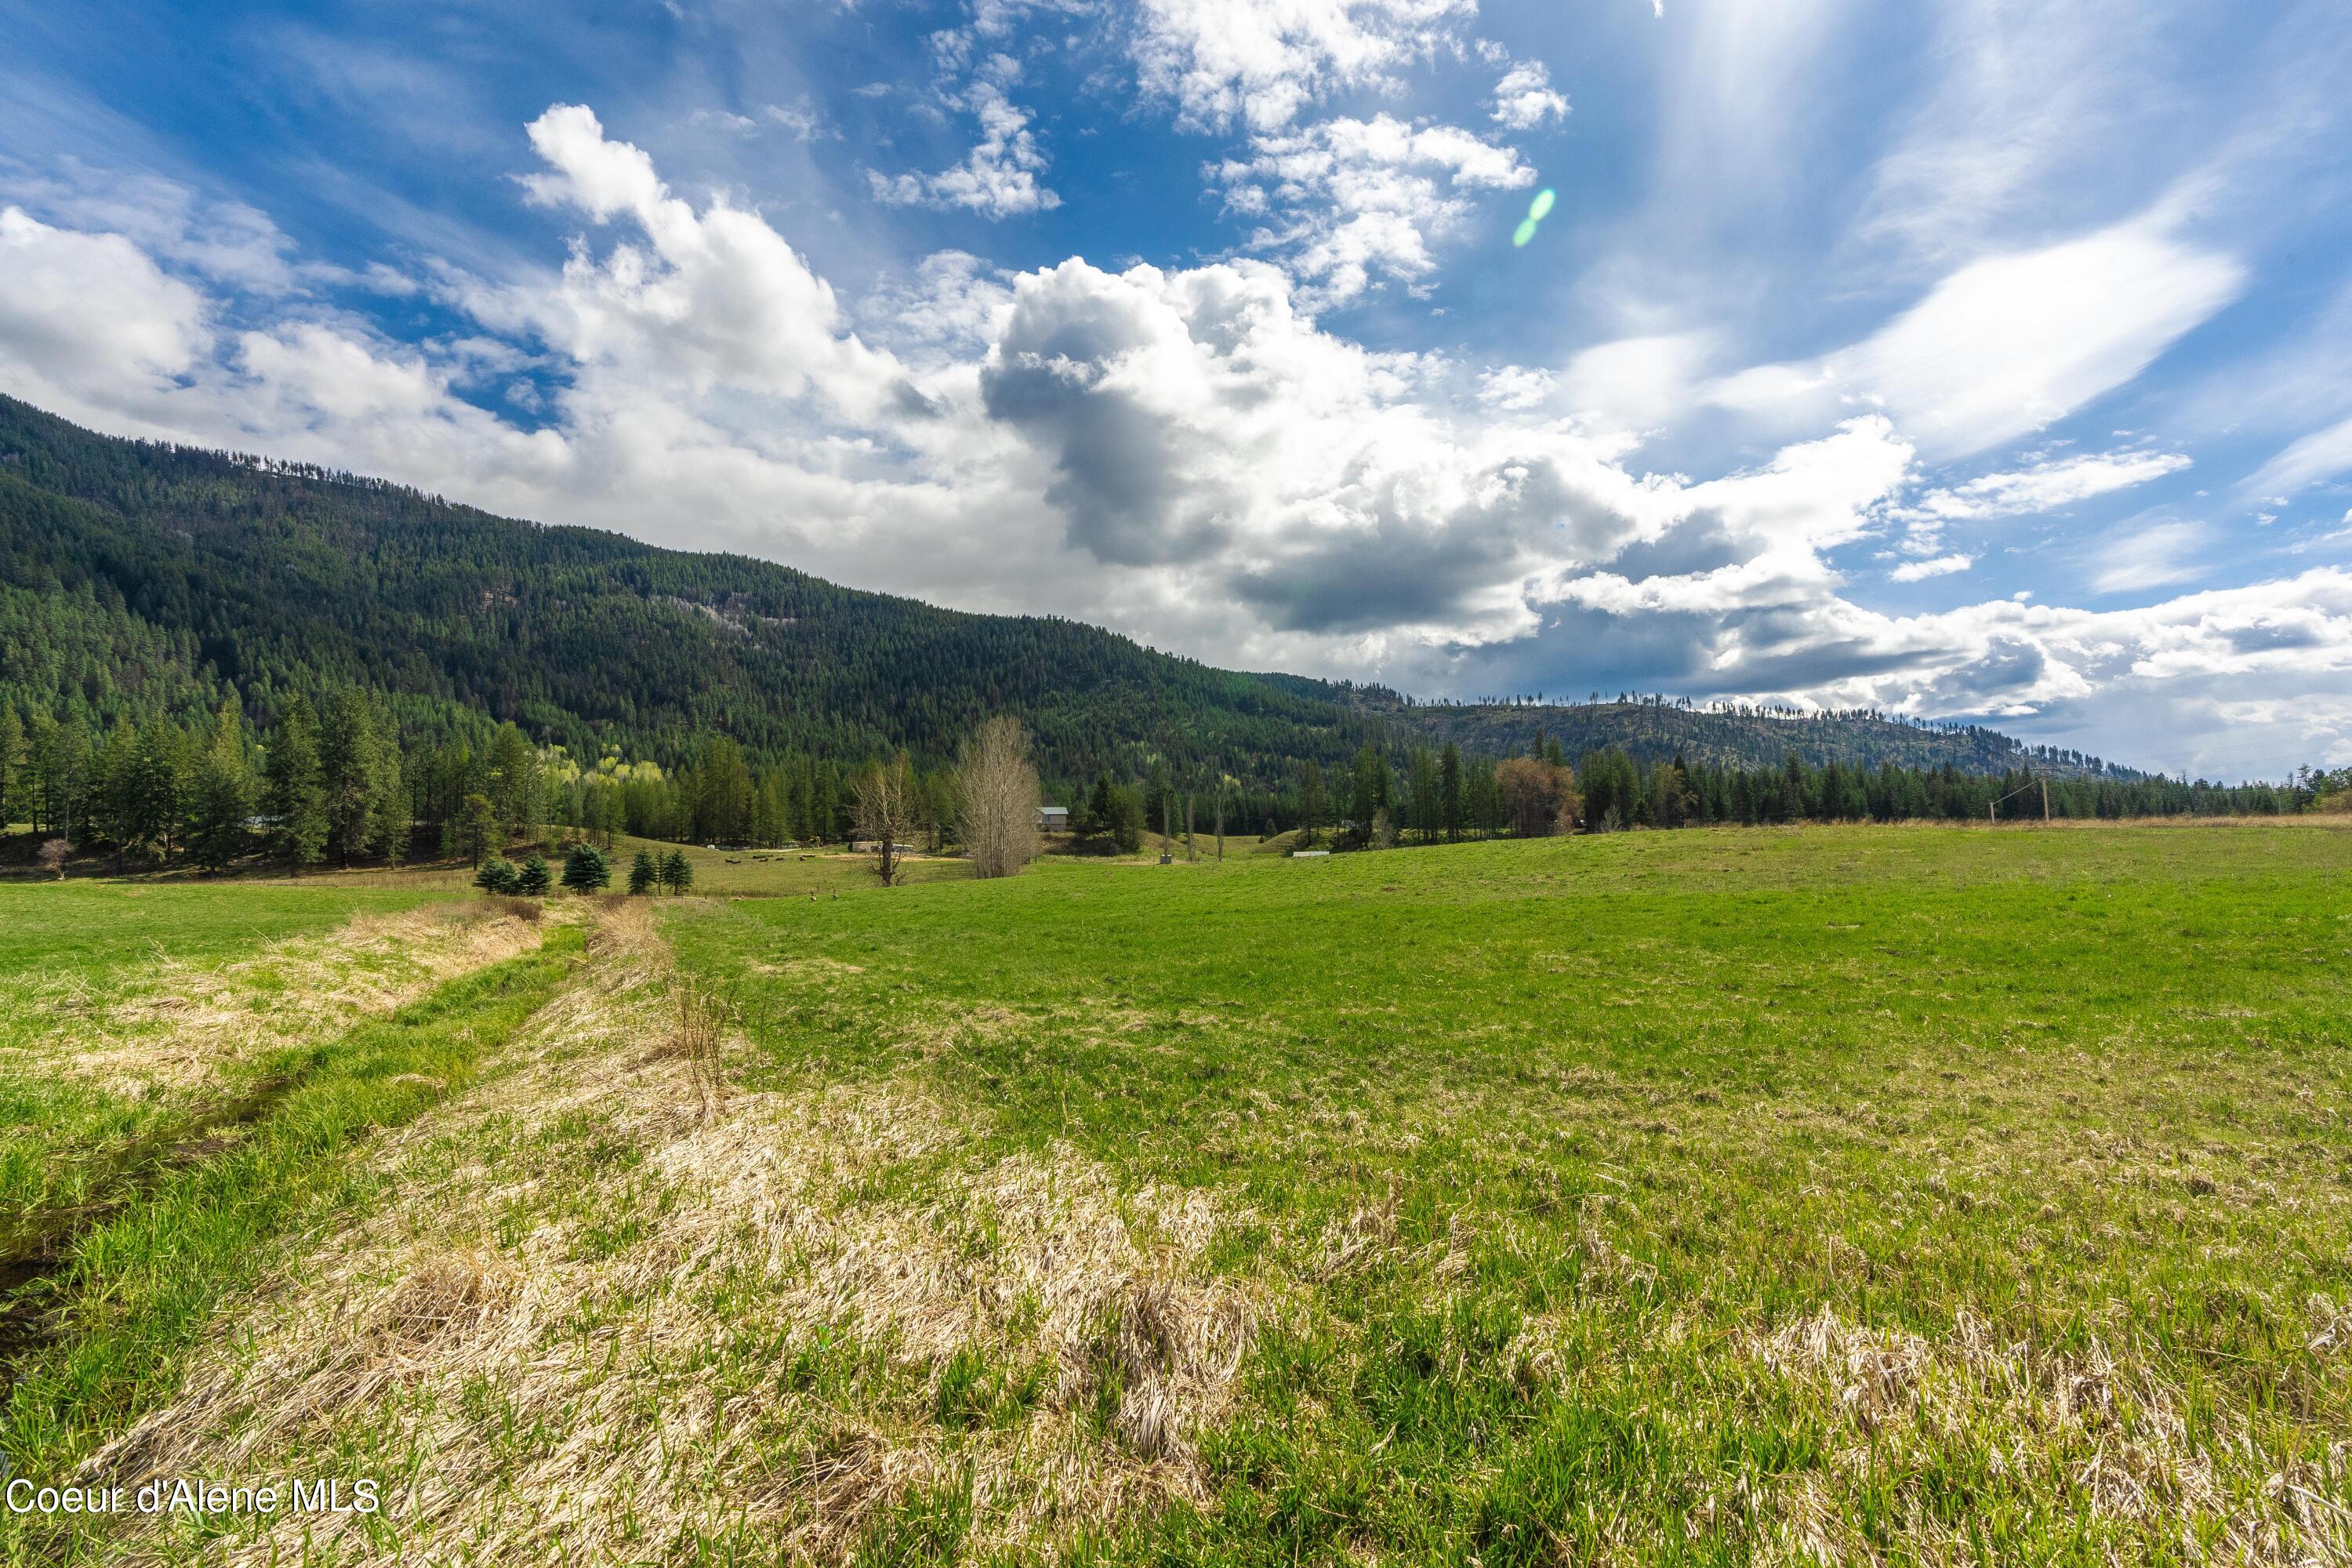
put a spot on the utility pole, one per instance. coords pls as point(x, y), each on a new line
point(1221, 816)
point(2046, 800)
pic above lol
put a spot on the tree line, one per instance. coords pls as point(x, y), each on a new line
point(338, 782)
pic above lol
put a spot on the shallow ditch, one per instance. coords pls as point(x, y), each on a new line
point(39, 1248)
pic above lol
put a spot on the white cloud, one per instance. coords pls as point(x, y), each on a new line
point(2047, 486)
point(89, 324)
point(1515, 386)
point(2322, 455)
point(2005, 345)
point(225, 242)
point(1183, 453)
point(2029, 96)
point(2141, 555)
point(1637, 382)
point(1366, 197)
point(799, 117)
point(1263, 61)
point(1938, 566)
point(1524, 99)
point(998, 179)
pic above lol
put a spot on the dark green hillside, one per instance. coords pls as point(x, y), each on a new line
point(1656, 728)
point(137, 578)
point(141, 576)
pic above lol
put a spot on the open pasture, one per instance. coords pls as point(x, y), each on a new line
point(1870, 1194)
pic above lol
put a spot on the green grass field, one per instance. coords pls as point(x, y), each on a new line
point(1869, 1195)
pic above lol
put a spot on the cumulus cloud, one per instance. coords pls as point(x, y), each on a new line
point(1366, 197)
point(710, 299)
point(999, 178)
point(89, 324)
point(1185, 454)
point(1263, 61)
point(1515, 386)
point(1524, 99)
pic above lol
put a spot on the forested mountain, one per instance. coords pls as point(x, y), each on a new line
point(1656, 729)
point(140, 580)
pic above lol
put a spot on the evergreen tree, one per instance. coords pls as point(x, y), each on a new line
point(294, 794)
point(517, 789)
point(1102, 808)
point(643, 875)
point(497, 875)
point(1127, 820)
point(62, 760)
point(12, 763)
point(678, 871)
point(1312, 805)
point(351, 772)
point(222, 794)
point(1424, 809)
point(1371, 787)
point(532, 879)
point(156, 792)
point(585, 870)
point(478, 833)
point(1449, 791)
point(114, 809)
point(722, 804)
point(394, 822)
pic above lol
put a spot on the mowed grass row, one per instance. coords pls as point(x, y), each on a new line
point(1921, 1193)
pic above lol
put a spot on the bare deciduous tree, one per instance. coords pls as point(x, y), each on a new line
point(53, 857)
point(885, 812)
point(1539, 797)
point(999, 787)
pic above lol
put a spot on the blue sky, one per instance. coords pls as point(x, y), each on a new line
point(1969, 360)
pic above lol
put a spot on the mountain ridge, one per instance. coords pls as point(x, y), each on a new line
point(139, 576)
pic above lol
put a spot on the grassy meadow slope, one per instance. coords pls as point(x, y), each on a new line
point(1854, 1195)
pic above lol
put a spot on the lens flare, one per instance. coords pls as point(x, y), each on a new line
point(1538, 210)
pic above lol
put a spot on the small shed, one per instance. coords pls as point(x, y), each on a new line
point(1053, 818)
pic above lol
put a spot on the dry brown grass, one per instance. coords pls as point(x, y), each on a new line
point(868, 1231)
point(2096, 1424)
point(181, 1023)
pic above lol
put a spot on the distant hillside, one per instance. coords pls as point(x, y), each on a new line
point(137, 577)
point(1656, 729)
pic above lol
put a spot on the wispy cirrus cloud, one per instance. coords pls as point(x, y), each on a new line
point(2048, 485)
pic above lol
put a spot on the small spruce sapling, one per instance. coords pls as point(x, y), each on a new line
point(585, 870)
